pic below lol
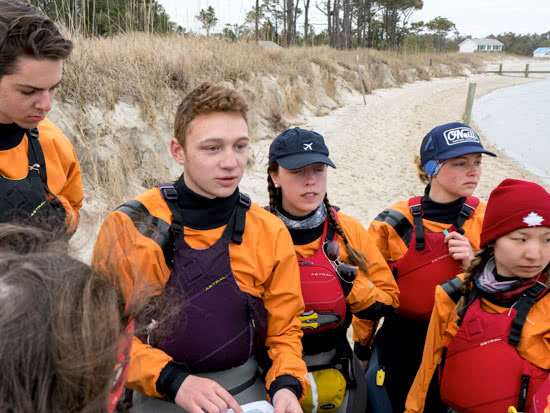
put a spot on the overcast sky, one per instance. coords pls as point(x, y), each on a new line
point(478, 18)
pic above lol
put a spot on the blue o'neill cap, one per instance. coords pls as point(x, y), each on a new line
point(296, 148)
point(450, 140)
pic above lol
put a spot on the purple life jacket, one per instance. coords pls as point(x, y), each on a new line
point(217, 326)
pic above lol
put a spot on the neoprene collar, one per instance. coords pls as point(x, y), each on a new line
point(445, 213)
point(204, 213)
point(11, 135)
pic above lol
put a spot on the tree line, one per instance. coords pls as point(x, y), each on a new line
point(381, 24)
point(107, 17)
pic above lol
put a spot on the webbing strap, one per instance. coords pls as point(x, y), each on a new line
point(415, 206)
point(524, 304)
point(234, 229)
point(36, 155)
point(467, 210)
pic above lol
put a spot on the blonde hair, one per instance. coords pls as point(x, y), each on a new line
point(422, 175)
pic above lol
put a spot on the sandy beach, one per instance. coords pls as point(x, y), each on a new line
point(374, 145)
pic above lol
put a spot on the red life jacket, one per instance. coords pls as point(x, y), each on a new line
point(481, 370)
point(427, 262)
point(324, 298)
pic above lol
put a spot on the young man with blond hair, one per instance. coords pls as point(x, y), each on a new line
point(39, 172)
point(227, 269)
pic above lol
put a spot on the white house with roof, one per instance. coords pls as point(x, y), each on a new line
point(542, 52)
point(480, 45)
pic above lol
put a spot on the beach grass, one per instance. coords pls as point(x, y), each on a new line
point(153, 71)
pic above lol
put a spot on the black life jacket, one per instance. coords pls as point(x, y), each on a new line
point(24, 200)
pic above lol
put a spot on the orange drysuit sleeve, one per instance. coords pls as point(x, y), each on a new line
point(62, 167)
point(441, 330)
point(264, 265)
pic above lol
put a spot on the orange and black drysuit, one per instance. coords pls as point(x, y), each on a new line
point(39, 175)
point(328, 294)
point(400, 340)
point(476, 385)
point(135, 242)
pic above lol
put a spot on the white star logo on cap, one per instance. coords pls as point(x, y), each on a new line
point(533, 219)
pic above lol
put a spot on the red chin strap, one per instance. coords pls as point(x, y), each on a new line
point(120, 373)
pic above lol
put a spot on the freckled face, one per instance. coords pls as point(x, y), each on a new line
point(457, 178)
point(302, 189)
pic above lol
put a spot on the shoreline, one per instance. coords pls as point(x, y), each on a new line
point(373, 146)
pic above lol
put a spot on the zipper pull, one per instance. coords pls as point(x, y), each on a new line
point(380, 376)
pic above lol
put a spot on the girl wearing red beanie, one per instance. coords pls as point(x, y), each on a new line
point(426, 241)
point(489, 333)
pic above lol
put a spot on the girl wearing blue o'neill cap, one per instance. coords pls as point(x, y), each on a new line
point(342, 273)
point(425, 240)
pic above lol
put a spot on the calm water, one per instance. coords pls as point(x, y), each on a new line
point(517, 120)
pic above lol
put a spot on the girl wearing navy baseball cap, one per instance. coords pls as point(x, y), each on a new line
point(489, 333)
point(341, 270)
point(425, 240)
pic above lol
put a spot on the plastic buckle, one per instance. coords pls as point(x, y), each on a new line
point(245, 200)
point(466, 210)
point(168, 192)
point(416, 210)
point(33, 133)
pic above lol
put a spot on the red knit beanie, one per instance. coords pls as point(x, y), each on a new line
point(515, 204)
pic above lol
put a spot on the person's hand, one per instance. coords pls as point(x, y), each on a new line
point(198, 395)
point(284, 401)
point(460, 249)
point(364, 364)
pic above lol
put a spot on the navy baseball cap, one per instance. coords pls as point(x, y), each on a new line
point(450, 140)
point(296, 148)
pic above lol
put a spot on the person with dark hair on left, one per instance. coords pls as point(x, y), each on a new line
point(40, 178)
point(342, 272)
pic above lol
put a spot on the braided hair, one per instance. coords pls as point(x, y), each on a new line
point(356, 257)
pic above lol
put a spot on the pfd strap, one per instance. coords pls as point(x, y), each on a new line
point(523, 306)
point(36, 155)
point(468, 208)
point(235, 227)
point(170, 195)
point(415, 205)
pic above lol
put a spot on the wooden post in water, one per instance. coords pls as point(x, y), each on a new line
point(527, 70)
point(360, 79)
point(467, 117)
point(500, 69)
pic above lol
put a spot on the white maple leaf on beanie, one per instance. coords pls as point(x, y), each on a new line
point(533, 219)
